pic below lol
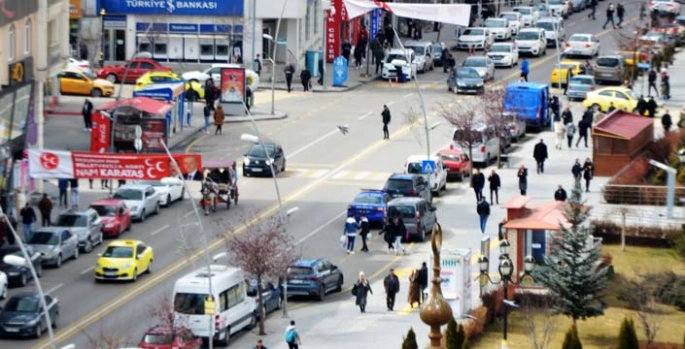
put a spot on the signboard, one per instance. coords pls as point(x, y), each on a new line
point(215, 28)
point(153, 132)
point(232, 85)
point(376, 22)
point(74, 9)
point(11, 11)
point(455, 273)
point(333, 21)
point(339, 71)
point(644, 65)
point(101, 133)
point(114, 22)
point(21, 71)
point(428, 166)
point(212, 8)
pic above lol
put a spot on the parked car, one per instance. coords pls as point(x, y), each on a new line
point(170, 189)
point(499, 27)
point(577, 5)
point(257, 161)
point(514, 19)
point(559, 8)
point(271, 295)
point(124, 260)
point(194, 90)
point(465, 80)
point(20, 275)
point(55, 245)
point(86, 225)
point(400, 184)
point(81, 65)
point(478, 38)
point(610, 68)
point(504, 54)
point(532, 41)
point(133, 70)
point(484, 146)
point(417, 214)
point(163, 337)
point(4, 285)
point(77, 82)
point(399, 59)
point(437, 181)
point(437, 53)
point(483, 65)
point(214, 72)
point(562, 73)
point(586, 45)
point(23, 315)
point(671, 7)
point(579, 87)
point(115, 216)
point(423, 53)
point(456, 162)
point(372, 203)
point(515, 124)
point(313, 277)
point(529, 15)
point(141, 199)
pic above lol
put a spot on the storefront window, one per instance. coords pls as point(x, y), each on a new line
point(160, 49)
point(22, 103)
point(207, 50)
point(222, 50)
point(11, 43)
point(27, 37)
point(5, 117)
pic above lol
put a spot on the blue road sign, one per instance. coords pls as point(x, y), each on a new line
point(644, 65)
point(339, 71)
point(428, 166)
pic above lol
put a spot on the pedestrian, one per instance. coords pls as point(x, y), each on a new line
point(483, 209)
point(238, 59)
point(588, 173)
point(611, 108)
point(525, 69)
point(101, 59)
point(555, 106)
point(258, 65)
point(570, 131)
point(361, 290)
point(63, 185)
point(358, 53)
point(73, 183)
point(389, 232)
point(593, 8)
point(422, 278)
point(350, 231)
point(378, 54)
point(346, 50)
point(665, 85)
point(583, 128)
point(587, 68)
point(401, 234)
point(540, 155)
point(560, 194)
point(121, 183)
point(444, 57)
point(559, 131)
point(478, 183)
point(87, 113)
point(501, 229)
point(577, 170)
point(386, 120)
point(45, 208)
point(289, 72)
point(210, 93)
point(495, 184)
point(28, 217)
point(567, 115)
point(392, 287)
point(414, 294)
point(610, 16)
point(620, 12)
point(90, 183)
point(523, 179)
point(83, 51)
point(364, 229)
point(305, 78)
point(207, 111)
point(666, 121)
point(589, 115)
point(219, 119)
point(321, 71)
point(104, 183)
point(651, 78)
point(651, 108)
point(452, 62)
point(292, 336)
point(260, 345)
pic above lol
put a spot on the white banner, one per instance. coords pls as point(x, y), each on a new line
point(50, 164)
point(457, 14)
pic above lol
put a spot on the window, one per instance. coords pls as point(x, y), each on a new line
point(27, 36)
point(11, 43)
point(148, 66)
point(606, 94)
point(160, 49)
point(235, 295)
point(206, 50)
point(190, 303)
point(223, 301)
point(536, 244)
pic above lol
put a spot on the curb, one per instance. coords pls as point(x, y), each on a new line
point(237, 119)
point(331, 89)
point(63, 113)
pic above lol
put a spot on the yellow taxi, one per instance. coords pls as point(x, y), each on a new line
point(124, 260)
point(621, 97)
point(561, 72)
point(78, 82)
point(194, 90)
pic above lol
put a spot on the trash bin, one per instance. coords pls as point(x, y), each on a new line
point(311, 61)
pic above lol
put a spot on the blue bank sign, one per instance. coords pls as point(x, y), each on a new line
point(175, 7)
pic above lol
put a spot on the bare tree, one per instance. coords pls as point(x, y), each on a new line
point(107, 338)
point(465, 116)
point(642, 297)
point(264, 249)
point(538, 314)
point(492, 105)
point(161, 312)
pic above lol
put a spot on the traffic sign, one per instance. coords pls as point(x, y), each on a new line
point(209, 305)
point(281, 41)
point(339, 71)
point(644, 65)
point(428, 166)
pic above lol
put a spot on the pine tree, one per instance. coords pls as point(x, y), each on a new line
point(570, 272)
point(410, 340)
point(461, 337)
point(627, 337)
point(571, 340)
point(455, 336)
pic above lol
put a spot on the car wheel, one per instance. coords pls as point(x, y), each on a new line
point(422, 236)
point(23, 280)
point(3, 294)
point(168, 200)
point(134, 278)
point(39, 331)
point(54, 321)
point(437, 193)
point(322, 293)
point(149, 267)
point(58, 263)
point(142, 216)
point(340, 283)
point(112, 78)
point(157, 208)
point(227, 337)
point(76, 253)
point(96, 92)
point(88, 248)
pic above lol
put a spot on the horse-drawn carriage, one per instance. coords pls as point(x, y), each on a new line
point(220, 184)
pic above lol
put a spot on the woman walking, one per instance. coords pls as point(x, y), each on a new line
point(219, 119)
point(361, 290)
point(401, 233)
point(414, 295)
point(523, 179)
point(559, 132)
point(305, 78)
point(588, 173)
point(390, 231)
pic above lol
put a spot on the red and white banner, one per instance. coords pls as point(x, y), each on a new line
point(66, 164)
point(334, 18)
point(457, 14)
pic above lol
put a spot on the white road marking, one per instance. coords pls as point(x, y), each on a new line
point(408, 95)
point(188, 214)
point(317, 230)
point(57, 287)
point(310, 144)
point(364, 116)
point(160, 230)
point(340, 174)
point(390, 103)
point(317, 174)
point(86, 271)
point(362, 175)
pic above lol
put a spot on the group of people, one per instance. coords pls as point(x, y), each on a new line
point(665, 83)
point(29, 218)
point(212, 110)
point(418, 283)
point(564, 127)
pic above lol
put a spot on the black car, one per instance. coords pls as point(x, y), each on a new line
point(273, 299)
point(20, 275)
point(465, 80)
point(23, 316)
point(400, 185)
point(256, 161)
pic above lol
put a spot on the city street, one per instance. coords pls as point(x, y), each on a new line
point(325, 169)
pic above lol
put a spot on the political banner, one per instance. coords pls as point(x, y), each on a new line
point(232, 85)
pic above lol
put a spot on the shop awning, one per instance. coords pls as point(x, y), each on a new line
point(146, 105)
point(457, 14)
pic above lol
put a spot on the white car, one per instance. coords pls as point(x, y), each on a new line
point(478, 38)
point(437, 180)
point(170, 189)
point(214, 72)
point(499, 27)
point(554, 30)
point(399, 58)
point(504, 54)
point(582, 45)
point(514, 19)
point(665, 6)
point(3, 285)
point(532, 41)
point(529, 15)
point(423, 51)
point(80, 65)
point(559, 8)
point(141, 199)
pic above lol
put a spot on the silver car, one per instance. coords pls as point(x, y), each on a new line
point(55, 244)
point(417, 214)
point(579, 86)
point(86, 225)
point(141, 199)
point(483, 65)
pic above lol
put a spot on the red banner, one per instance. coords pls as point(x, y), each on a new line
point(334, 18)
point(154, 132)
point(100, 134)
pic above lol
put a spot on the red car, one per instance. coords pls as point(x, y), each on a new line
point(162, 337)
point(136, 68)
point(116, 217)
point(458, 164)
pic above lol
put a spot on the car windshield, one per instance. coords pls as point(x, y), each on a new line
point(393, 56)
point(152, 183)
point(548, 26)
point(398, 184)
point(190, 303)
point(500, 48)
point(158, 339)
point(510, 16)
point(581, 81)
point(528, 36)
point(71, 220)
point(89, 75)
point(555, 2)
point(449, 157)
point(467, 74)
point(610, 62)
point(419, 50)
point(474, 32)
point(474, 62)
point(299, 271)
point(258, 151)
point(128, 194)
point(414, 167)
point(495, 23)
point(44, 238)
point(105, 210)
point(23, 305)
point(365, 198)
point(579, 38)
point(118, 252)
point(402, 211)
point(523, 11)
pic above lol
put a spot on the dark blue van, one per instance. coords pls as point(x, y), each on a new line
point(530, 102)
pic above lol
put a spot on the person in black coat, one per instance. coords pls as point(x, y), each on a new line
point(422, 279)
point(346, 50)
point(651, 78)
point(321, 72)
point(483, 209)
point(87, 113)
point(589, 115)
point(583, 127)
point(666, 121)
point(289, 72)
point(478, 183)
point(210, 93)
point(305, 78)
point(567, 116)
point(577, 170)
point(392, 287)
point(593, 8)
point(495, 184)
point(540, 155)
point(523, 179)
point(364, 229)
point(560, 194)
point(385, 114)
point(588, 173)
point(358, 54)
point(651, 108)
point(444, 57)
point(389, 232)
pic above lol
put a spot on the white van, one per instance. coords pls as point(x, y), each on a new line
point(484, 145)
point(554, 30)
point(233, 310)
point(437, 181)
point(423, 51)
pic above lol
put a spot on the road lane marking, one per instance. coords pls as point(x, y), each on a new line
point(364, 116)
point(188, 214)
point(340, 175)
point(86, 271)
point(57, 287)
point(408, 95)
point(362, 175)
point(160, 229)
point(311, 144)
point(390, 103)
point(319, 229)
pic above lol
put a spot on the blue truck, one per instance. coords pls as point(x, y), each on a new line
point(530, 102)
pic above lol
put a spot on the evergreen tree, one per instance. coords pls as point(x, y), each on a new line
point(627, 337)
point(571, 340)
point(455, 336)
point(410, 340)
point(570, 272)
point(461, 337)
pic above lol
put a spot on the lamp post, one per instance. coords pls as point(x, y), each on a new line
point(273, 60)
point(506, 276)
point(103, 12)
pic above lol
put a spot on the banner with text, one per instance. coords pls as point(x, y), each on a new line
point(458, 14)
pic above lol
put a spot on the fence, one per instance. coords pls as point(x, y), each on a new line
point(643, 195)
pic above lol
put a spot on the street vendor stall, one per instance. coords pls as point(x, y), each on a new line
point(172, 92)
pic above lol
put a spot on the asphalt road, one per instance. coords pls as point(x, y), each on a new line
point(325, 170)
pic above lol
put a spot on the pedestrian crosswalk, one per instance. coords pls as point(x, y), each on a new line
point(424, 85)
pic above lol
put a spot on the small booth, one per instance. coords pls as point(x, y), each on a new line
point(141, 118)
point(173, 92)
point(618, 139)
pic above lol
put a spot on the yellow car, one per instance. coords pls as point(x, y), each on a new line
point(124, 260)
point(78, 82)
point(194, 90)
point(562, 72)
point(620, 96)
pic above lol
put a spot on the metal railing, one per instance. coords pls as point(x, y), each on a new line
point(643, 195)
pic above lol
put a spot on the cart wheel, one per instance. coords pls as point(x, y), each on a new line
point(236, 199)
point(228, 203)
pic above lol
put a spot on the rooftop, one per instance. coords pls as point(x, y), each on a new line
point(623, 125)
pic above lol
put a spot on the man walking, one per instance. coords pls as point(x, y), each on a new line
point(350, 232)
point(87, 113)
point(386, 120)
point(560, 194)
point(45, 208)
point(444, 57)
point(610, 16)
point(28, 217)
point(495, 184)
point(583, 128)
point(289, 72)
point(392, 287)
point(666, 121)
point(651, 78)
point(570, 130)
point(577, 170)
point(292, 336)
point(73, 183)
point(258, 65)
point(483, 210)
point(63, 185)
point(620, 12)
point(422, 279)
point(593, 8)
point(478, 183)
point(207, 111)
point(588, 173)
point(540, 155)
point(525, 69)
point(364, 229)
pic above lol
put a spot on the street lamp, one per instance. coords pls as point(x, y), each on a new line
point(103, 12)
point(273, 60)
point(506, 276)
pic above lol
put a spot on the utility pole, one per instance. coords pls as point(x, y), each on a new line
point(41, 76)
